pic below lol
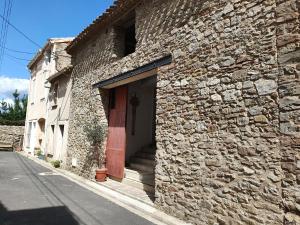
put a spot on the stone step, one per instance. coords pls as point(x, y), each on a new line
point(143, 161)
point(139, 185)
point(142, 167)
point(140, 176)
point(145, 155)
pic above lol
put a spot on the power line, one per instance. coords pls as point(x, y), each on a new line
point(18, 51)
point(17, 62)
point(20, 32)
point(22, 59)
point(27, 37)
point(4, 29)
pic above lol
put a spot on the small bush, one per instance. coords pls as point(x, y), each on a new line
point(38, 152)
point(55, 163)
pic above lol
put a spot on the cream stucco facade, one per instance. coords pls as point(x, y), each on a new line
point(58, 114)
point(47, 64)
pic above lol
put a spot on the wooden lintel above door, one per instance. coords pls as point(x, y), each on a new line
point(132, 79)
point(139, 73)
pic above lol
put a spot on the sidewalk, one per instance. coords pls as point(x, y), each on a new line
point(118, 193)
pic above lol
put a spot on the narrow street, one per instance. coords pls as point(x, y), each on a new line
point(32, 195)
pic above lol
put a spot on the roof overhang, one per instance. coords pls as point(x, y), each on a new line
point(112, 14)
point(142, 72)
point(64, 71)
point(41, 51)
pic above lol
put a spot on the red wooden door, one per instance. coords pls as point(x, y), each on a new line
point(116, 141)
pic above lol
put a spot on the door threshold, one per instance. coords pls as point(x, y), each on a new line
point(130, 191)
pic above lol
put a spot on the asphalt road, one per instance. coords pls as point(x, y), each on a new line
point(30, 195)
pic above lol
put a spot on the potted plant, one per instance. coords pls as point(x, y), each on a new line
point(96, 133)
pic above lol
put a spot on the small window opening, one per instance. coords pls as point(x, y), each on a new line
point(55, 93)
point(129, 40)
point(62, 129)
point(48, 57)
point(125, 35)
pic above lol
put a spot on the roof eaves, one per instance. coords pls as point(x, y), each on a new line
point(61, 72)
point(101, 20)
point(49, 42)
point(38, 55)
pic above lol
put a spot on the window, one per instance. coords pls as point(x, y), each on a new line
point(125, 42)
point(62, 129)
point(55, 93)
point(52, 128)
point(48, 57)
point(129, 40)
point(32, 98)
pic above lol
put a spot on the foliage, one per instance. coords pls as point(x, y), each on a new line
point(38, 152)
point(96, 133)
point(13, 114)
point(55, 163)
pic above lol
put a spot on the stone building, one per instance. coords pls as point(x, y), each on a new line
point(48, 65)
point(202, 95)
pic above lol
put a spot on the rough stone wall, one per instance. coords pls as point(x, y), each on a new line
point(221, 157)
point(63, 59)
point(12, 135)
point(288, 43)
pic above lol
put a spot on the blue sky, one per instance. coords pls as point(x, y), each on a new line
point(40, 20)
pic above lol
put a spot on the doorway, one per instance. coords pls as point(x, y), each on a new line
point(60, 141)
point(141, 109)
point(41, 136)
point(131, 146)
point(32, 137)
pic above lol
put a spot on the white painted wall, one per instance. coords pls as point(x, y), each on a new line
point(58, 115)
point(38, 104)
point(37, 100)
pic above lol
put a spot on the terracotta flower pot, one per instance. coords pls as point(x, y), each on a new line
point(101, 174)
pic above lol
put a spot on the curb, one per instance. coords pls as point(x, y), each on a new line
point(134, 205)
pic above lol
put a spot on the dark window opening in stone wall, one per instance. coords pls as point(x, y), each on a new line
point(129, 40)
point(125, 33)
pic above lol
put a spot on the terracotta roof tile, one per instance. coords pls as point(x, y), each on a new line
point(118, 7)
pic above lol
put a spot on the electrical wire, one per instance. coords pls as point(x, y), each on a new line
point(19, 31)
point(17, 62)
point(4, 29)
point(17, 57)
point(27, 37)
point(18, 51)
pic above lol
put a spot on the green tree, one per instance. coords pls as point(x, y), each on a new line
point(13, 114)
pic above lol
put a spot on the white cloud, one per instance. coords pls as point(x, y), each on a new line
point(8, 100)
point(8, 85)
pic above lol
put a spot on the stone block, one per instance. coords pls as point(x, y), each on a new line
point(265, 87)
point(260, 119)
point(289, 58)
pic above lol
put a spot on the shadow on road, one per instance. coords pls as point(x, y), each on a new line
point(46, 216)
